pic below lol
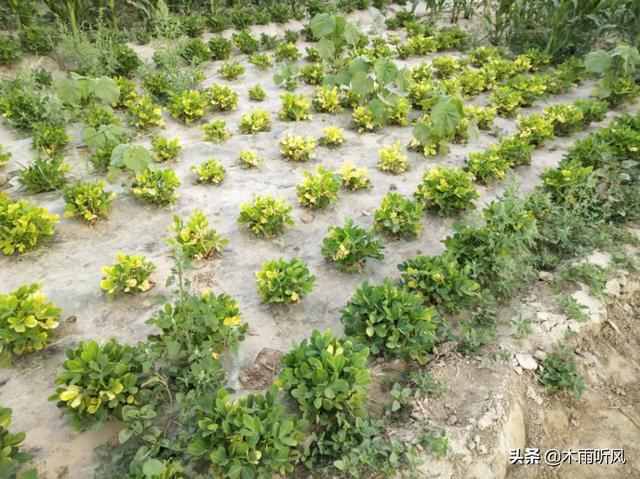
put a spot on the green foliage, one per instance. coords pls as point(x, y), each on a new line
point(559, 372)
point(24, 103)
point(81, 91)
point(312, 74)
point(256, 93)
point(223, 98)
point(506, 100)
point(318, 190)
point(333, 32)
point(144, 113)
point(294, 107)
point(477, 331)
point(261, 60)
point(287, 76)
point(220, 48)
point(592, 110)
point(391, 160)
point(36, 39)
point(398, 216)
point(247, 437)
point(156, 186)
point(487, 166)
point(12, 458)
point(10, 51)
point(283, 281)
point(354, 178)
point(231, 70)
point(130, 274)
point(193, 50)
point(266, 216)
point(5, 156)
point(586, 273)
point(535, 129)
point(566, 119)
point(245, 42)
point(256, 121)
point(26, 321)
point(96, 381)
point(286, 52)
point(195, 238)
point(446, 191)
point(483, 116)
point(43, 174)
point(566, 182)
point(617, 68)
point(391, 321)
point(514, 150)
point(446, 65)
point(326, 99)
point(349, 246)
point(211, 171)
point(88, 201)
point(297, 148)
point(23, 225)
point(440, 281)
point(50, 139)
point(333, 136)
point(249, 158)
point(216, 131)
point(364, 119)
point(165, 149)
point(188, 106)
point(127, 158)
point(328, 379)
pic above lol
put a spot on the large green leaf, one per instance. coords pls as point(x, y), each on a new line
point(96, 137)
point(326, 49)
point(445, 115)
point(422, 133)
point(629, 56)
point(322, 25)
point(67, 92)
point(361, 84)
point(597, 61)
point(403, 79)
point(136, 158)
point(351, 34)
point(378, 109)
point(152, 468)
point(359, 64)
point(386, 71)
point(107, 90)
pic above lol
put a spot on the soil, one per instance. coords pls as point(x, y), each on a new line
point(68, 267)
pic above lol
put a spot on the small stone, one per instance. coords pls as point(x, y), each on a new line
point(531, 394)
point(453, 419)
point(526, 361)
point(484, 422)
point(518, 370)
point(612, 287)
point(482, 449)
point(307, 217)
point(540, 355)
point(599, 258)
point(545, 276)
point(393, 187)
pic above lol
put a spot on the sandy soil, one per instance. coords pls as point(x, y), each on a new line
point(68, 267)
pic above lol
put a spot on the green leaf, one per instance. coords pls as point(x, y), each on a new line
point(361, 84)
point(629, 55)
point(107, 90)
point(67, 92)
point(386, 71)
point(94, 138)
point(136, 158)
point(359, 64)
point(153, 467)
point(597, 61)
point(378, 109)
point(403, 79)
point(29, 474)
point(445, 116)
point(326, 49)
point(422, 133)
point(322, 25)
point(351, 34)
point(197, 447)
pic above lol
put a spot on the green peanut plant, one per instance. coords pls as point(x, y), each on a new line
point(195, 237)
point(251, 436)
point(350, 245)
point(249, 159)
point(318, 190)
point(391, 160)
point(165, 149)
point(266, 216)
point(294, 107)
point(26, 322)
point(446, 191)
point(188, 106)
point(391, 321)
point(333, 136)
point(156, 186)
point(441, 281)
point(216, 131)
point(255, 122)
point(211, 171)
point(130, 274)
point(23, 225)
point(297, 148)
point(398, 216)
point(354, 178)
point(223, 98)
point(283, 281)
point(96, 381)
point(88, 201)
point(12, 458)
